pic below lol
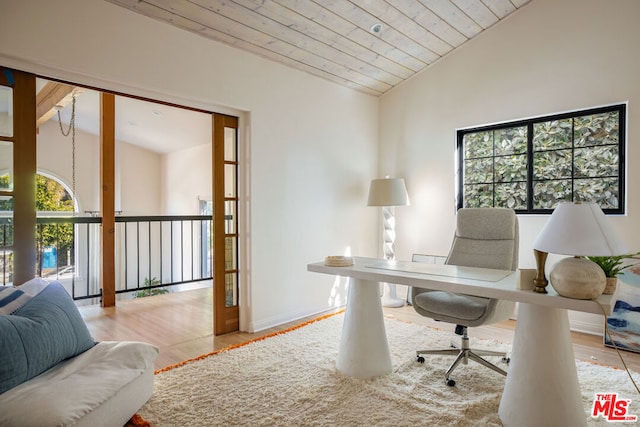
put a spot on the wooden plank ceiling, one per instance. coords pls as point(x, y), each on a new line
point(337, 39)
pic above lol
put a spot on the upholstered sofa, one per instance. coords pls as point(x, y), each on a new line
point(52, 372)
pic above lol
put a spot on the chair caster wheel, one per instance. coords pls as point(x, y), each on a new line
point(420, 359)
point(449, 382)
point(506, 360)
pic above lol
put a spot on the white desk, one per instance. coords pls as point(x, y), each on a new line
point(541, 387)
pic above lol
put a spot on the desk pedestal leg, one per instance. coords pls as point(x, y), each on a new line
point(542, 387)
point(364, 350)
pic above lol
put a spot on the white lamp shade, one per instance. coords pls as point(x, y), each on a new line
point(579, 229)
point(388, 192)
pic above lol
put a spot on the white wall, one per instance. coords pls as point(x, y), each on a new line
point(138, 180)
point(137, 175)
point(186, 177)
point(551, 56)
point(309, 146)
point(54, 154)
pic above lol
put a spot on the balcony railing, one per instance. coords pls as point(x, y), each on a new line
point(151, 252)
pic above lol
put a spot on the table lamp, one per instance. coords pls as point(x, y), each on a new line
point(576, 229)
point(389, 192)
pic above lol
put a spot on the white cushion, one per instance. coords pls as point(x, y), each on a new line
point(76, 390)
point(33, 286)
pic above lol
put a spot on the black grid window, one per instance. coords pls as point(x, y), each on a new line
point(532, 165)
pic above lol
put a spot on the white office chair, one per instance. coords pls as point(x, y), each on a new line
point(486, 238)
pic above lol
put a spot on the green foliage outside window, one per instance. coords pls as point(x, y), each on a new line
point(6, 204)
point(532, 165)
point(50, 197)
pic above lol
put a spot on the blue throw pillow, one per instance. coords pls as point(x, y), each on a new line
point(45, 331)
point(11, 299)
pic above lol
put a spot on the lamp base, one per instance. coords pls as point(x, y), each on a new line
point(389, 296)
point(578, 278)
point(540, 282)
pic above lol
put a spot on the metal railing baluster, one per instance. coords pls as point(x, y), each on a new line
point(80, 260)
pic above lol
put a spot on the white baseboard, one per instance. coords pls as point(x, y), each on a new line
point(586, 323)
point(586, 327)
point(274, 321)
point(578, 322)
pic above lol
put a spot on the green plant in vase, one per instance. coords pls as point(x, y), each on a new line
point(612, 266)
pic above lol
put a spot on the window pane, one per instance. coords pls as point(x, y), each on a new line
point(596, 161)
point(511, 168)
point(6, 205)
point(597, 129)
point(51, 196)
point(552, 135)
point(6, 233)
point(478, 171)
point(230, 251)
point(205, 207)
point(552, 164)
point(230, 290)
point(6, 226)
point(229, 180)
point(230, 217)
point(605, 191)
point(511, 141)
point(512, 195)
point(230, 144)
point(479, 144)
point(6, 166)
point(478, 196)
point(6, 111)
point(533, 164)
point(547, 194)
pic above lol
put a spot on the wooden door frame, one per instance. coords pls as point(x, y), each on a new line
point(226, 318)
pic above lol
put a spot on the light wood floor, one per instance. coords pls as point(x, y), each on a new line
point(181, 326)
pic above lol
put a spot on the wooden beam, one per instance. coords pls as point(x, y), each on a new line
point(107, 198)
point(51, 95)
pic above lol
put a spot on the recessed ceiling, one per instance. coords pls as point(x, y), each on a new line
point(367, 45)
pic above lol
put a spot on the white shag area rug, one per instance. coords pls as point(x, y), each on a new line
point(291, 380)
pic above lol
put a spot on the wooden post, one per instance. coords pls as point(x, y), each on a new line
point(107, 198)
point(24, 169)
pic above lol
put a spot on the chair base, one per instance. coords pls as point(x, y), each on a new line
point(463, 355)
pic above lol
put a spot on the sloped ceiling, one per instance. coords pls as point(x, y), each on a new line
point(367, 45)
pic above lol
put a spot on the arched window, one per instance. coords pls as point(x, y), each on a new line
point(52, 195)
point(54, 240)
